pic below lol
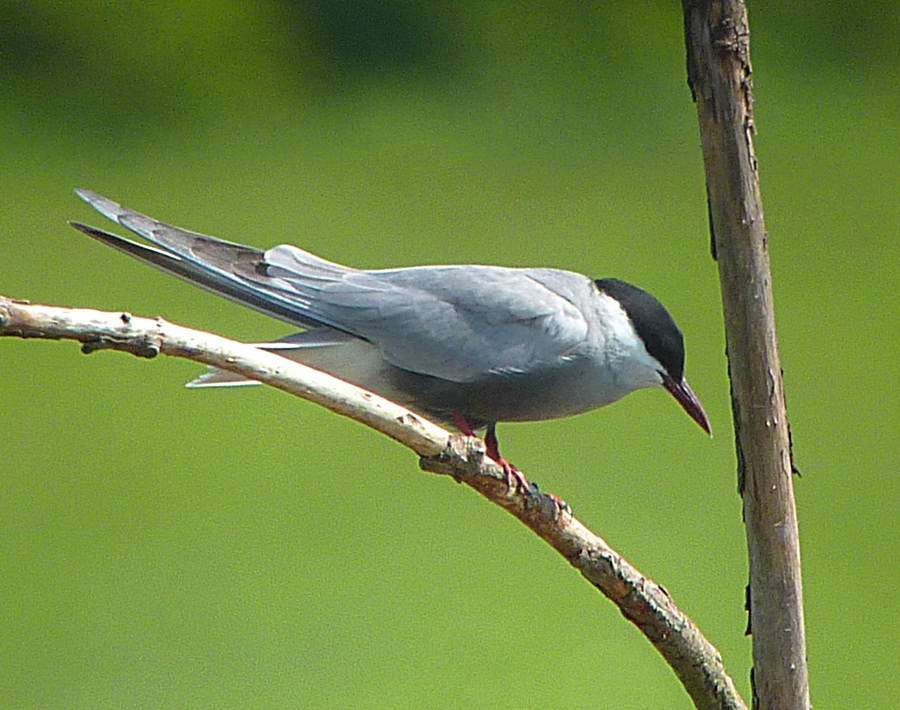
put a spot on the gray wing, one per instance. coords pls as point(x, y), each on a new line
point(460, 323)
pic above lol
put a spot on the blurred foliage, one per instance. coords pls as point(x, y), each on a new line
point(166, 548)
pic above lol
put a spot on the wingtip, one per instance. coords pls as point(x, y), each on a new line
point(108, 208)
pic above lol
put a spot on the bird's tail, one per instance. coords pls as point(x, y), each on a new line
point(234, 271)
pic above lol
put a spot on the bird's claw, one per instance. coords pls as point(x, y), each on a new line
point(514, 477)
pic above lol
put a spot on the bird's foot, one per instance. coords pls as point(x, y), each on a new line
point(514, 477)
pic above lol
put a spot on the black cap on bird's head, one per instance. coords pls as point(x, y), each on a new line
point(661, 338)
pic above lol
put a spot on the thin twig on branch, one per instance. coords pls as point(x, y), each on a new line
point(718, 58)
point(695, 661)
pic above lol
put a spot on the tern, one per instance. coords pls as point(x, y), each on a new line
point(468, 345)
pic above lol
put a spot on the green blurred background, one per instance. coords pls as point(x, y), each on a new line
point(166, 548)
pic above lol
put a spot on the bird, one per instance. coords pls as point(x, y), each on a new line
point(467, 345)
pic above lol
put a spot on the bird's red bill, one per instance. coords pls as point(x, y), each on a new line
point(685, 396)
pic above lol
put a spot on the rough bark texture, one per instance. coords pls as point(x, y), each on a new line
point(643, 602)
point(717, 41)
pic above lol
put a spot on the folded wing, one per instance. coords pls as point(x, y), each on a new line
point(458, 323)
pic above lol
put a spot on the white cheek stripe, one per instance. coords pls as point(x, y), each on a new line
point(635, 367)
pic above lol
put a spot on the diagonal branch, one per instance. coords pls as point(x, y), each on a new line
point(643, 602)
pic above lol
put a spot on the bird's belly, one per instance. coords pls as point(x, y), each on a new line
point(570, 388)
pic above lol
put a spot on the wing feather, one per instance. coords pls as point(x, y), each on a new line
point(458, 323)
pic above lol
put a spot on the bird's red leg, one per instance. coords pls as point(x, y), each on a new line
point(493, 451)
point(513, 475)
point(460, 423)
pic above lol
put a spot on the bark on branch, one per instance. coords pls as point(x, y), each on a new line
point(647, 605)
point(718, 60)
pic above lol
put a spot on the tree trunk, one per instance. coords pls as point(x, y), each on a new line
point(718, 60)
